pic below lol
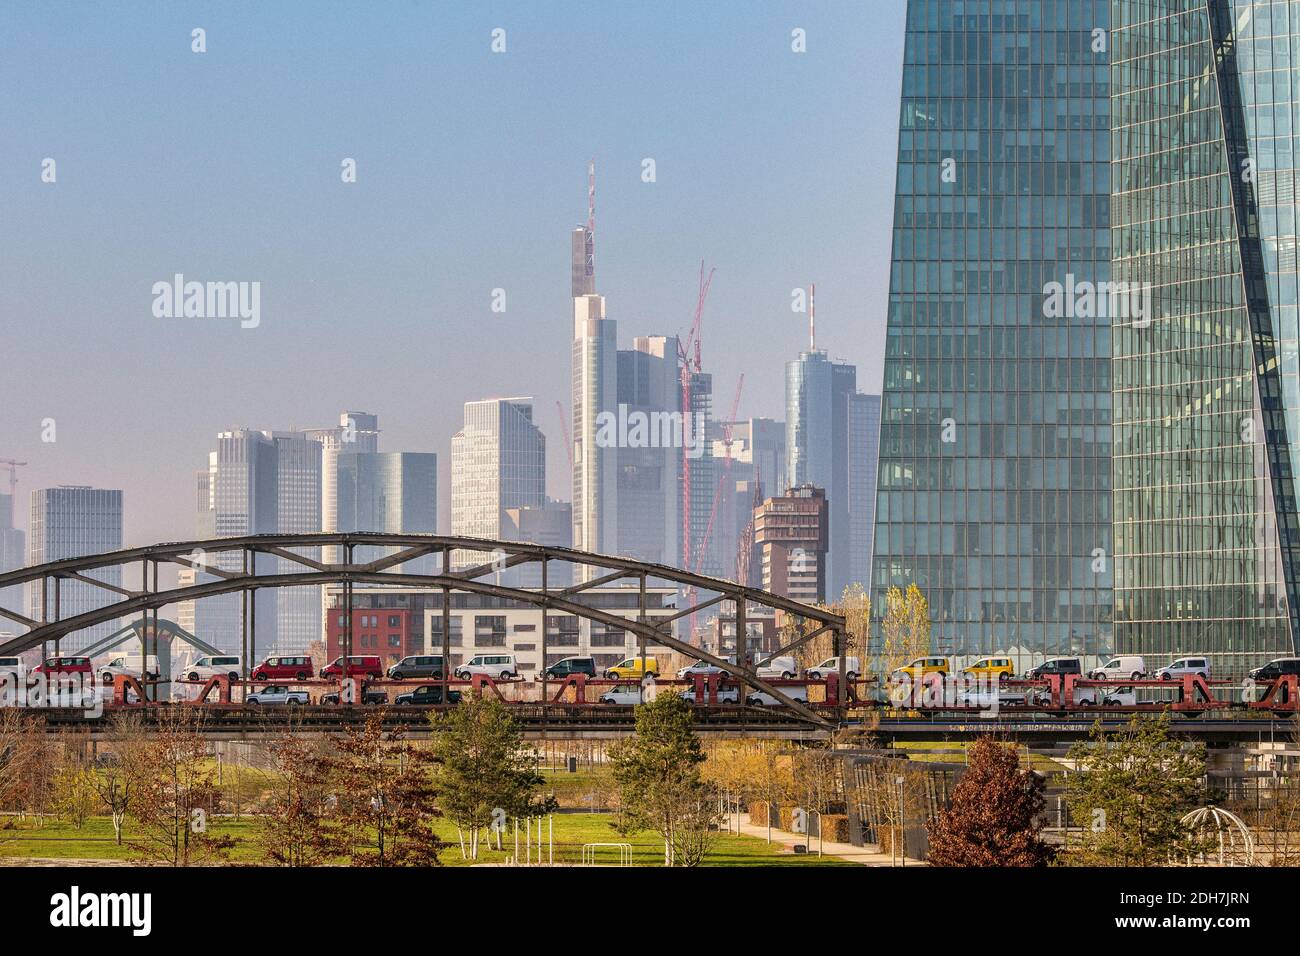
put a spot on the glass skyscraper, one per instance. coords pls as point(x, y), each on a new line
point(1205, 107)
point(818, 392)
point(994, 492)
point(68, 522)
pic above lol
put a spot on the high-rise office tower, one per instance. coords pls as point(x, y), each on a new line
point(356, 432)
point(817, 393)
point(1205, 108)
point(863, 460)
point(498, 461)
point(69, 522)
point(550, 523)
point(757, 453)
point(649, 461)
point(595, 459)
point(702, 554)
point(13, 552)
point(298, 511)
point(994, 482)
point(238, 495)
point(392, 492)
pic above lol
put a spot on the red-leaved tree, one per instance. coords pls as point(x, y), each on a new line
point(994, 818)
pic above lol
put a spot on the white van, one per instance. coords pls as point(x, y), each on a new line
point(130, 666)
point(852, 668)
point(761, 699)
point(12, 676)
point(214, 666)
point(785, 667)
point(1123, 667)
point(498, 666)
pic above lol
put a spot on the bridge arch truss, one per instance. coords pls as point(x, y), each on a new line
point(229, 566)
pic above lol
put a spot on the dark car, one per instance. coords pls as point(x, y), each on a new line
point(428, 694)
point(1057, 665)
point(570, 666)
point(1276, 668)
point(421, 665)
point(367, 697)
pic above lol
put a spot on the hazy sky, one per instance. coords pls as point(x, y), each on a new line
point(776, 167)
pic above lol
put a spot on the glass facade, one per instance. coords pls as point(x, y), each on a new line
point(69, 522)
point(994, 490)
point(1205, 108)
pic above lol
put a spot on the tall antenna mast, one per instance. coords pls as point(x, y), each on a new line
point(591, 222)
point(812, 317)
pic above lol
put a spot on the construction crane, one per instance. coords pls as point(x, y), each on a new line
point(688, 355)
point(13, 472)
point(745, 547)
point(568, 442)
point(13, 482)
point(727, 428)
point(717, 494)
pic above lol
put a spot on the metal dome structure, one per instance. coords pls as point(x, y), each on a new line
point(1230, 841)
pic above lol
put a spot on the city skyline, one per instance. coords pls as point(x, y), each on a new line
point(651, 237)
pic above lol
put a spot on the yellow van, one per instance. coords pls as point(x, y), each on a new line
point(991, 667)
point(922, 666)
point(630, 669)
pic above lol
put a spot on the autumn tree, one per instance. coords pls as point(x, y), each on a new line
point(26, 762)
point(74, 792)
point(383, 796)
point(484, 773)
point(751, 769)
point(1131, 790)
point(660, 782)
point(297, 828)
point(994, 816)
point(905, 631)
point(176, 793)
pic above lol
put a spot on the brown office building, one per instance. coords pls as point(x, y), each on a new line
point(790, 535)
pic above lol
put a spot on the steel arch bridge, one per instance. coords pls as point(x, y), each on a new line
point(231, 566)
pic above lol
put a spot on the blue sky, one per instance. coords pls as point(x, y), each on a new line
point(775, 167)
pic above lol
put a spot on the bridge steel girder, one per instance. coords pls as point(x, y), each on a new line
point(416, 545)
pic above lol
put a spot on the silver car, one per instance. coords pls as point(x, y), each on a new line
point(1185, 665)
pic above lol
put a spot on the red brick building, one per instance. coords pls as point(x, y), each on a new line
point(385, 632)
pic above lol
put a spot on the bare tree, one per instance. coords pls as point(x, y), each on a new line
point(119, 773)
point(26, 762)
point(176, 793)
point(297, 828)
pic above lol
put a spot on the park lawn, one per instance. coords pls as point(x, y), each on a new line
point(57, 840)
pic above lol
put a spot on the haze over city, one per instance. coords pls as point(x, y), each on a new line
point(376, 295)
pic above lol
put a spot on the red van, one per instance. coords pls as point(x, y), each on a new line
point(284, 668)
point(371, 667)
point(65, 665)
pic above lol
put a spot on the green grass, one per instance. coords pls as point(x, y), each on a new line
point(63, 841)
point(57, 840)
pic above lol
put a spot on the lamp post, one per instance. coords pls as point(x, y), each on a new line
point(902, 850)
